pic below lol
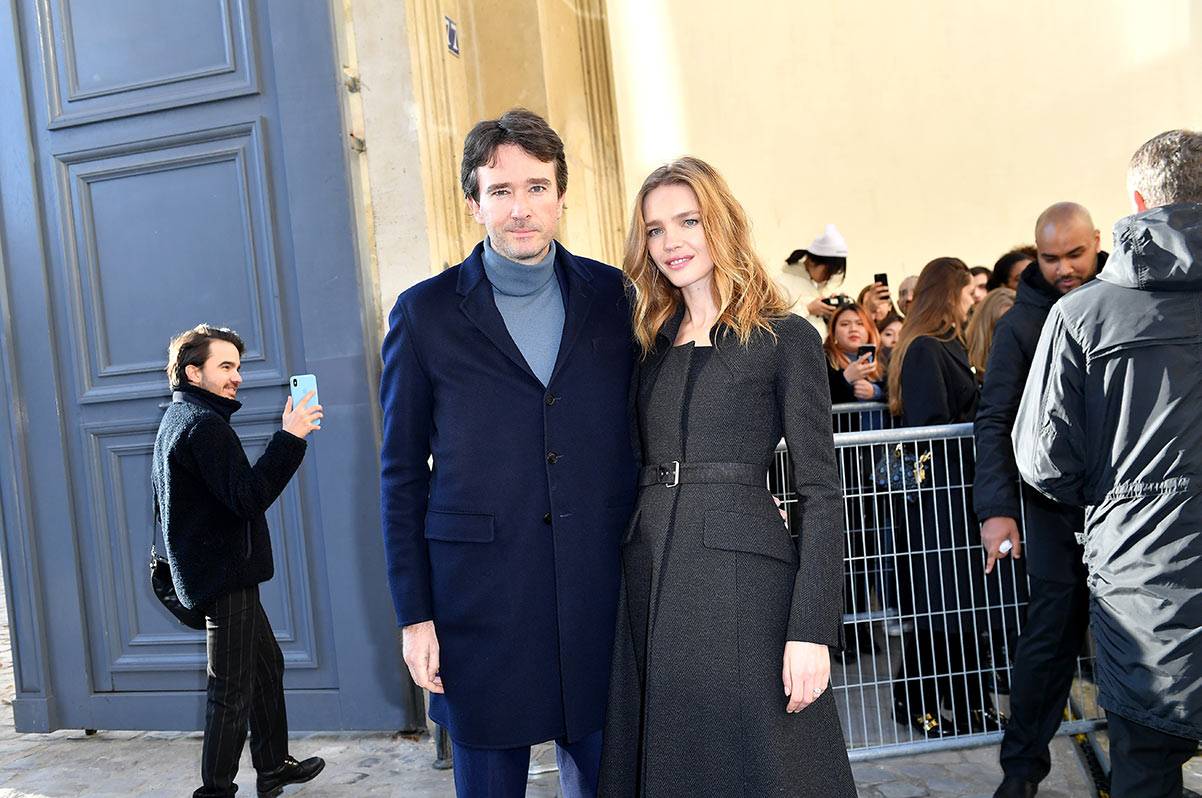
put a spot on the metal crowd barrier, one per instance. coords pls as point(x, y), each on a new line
point(927, 631)
point(860, 416)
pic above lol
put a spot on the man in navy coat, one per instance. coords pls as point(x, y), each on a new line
point(508, 474)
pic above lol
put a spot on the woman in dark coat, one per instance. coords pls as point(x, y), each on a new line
point(721, 668)
point(931, 383)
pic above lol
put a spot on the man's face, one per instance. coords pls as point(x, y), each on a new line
point(519, 204)
point(905, 293)
point(979, 289)
point(1068, 253)
point(219, 374)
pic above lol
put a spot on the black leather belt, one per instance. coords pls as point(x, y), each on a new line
point(678, 473)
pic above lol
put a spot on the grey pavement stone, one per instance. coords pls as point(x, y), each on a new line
point(901, 789)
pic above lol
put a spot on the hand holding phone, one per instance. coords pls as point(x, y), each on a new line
point(302, 413)
point(866, 353)
point(881, 278)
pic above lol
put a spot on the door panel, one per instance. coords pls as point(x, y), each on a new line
point(106, 60)
point(185, 163)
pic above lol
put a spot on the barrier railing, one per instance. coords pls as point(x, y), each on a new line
point(859, 416)
point(929, 636)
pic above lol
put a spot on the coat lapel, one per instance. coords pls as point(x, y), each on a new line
point(580, 301)
point(958, 353)
point(481, 310)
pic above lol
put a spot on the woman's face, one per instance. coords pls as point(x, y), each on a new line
point(849, 332)
point(967, 300)
point(889, 334)
point(675, 240)
point(1016, 272)
point(819, 272)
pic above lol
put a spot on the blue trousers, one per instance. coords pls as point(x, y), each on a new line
point(502, 773)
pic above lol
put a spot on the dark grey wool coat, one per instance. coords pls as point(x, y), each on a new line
point(1110, 421)
point(713, 585)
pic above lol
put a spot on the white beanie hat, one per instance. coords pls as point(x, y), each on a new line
point(830, 244)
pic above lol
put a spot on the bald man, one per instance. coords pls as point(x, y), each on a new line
point(1058, 614)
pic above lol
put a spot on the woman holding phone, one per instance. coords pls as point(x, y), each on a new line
point(721, 666)
point(853, 370)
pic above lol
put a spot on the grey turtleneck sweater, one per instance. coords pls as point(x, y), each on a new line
point(531, 304)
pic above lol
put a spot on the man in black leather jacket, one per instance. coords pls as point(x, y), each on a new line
point(1057, 616)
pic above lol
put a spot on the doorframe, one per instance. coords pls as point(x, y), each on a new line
point(34, 706)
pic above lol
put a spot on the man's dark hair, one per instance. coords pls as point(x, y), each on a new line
point(191, 348)
point(1005, 264)
point(517, 126)
point(978, 270)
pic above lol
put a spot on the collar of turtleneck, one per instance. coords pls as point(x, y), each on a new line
point(517, 279)
point(199, 396)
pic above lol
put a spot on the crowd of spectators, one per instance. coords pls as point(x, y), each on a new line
point(923, 359)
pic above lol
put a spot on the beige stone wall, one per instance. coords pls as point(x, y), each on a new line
point(921, 129)
point(417, 100)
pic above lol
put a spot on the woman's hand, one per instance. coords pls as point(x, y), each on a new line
point(858, 369)
point(806, 673)
point(819, 308)
point(863, 390)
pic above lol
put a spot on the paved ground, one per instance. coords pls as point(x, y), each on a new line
point(69, 764)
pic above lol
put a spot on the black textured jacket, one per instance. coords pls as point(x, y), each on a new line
point(212, 501)
point(1052, 551)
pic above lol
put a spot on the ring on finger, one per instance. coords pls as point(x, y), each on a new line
point(817, 691)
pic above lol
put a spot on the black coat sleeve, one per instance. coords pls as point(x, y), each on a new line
point(924, 385)
point(815, 615)
point(841, 391)
point(220, 462)
point(996, 489)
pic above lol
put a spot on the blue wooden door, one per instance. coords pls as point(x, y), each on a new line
point(167, 163)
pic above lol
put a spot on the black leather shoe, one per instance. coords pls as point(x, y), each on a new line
point(273, 782)
point(979, 721)
point(924, 723)
point(1016, 787)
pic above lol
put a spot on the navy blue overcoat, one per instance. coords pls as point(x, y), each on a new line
point(509, 538)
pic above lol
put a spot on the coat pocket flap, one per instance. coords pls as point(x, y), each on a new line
point(734, 531)
point(459, 527)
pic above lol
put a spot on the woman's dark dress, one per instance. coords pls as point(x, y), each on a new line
point(713, 585)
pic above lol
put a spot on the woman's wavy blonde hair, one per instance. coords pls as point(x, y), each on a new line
point(747, 298)
point(985, 317)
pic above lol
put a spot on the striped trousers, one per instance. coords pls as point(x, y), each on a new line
point(246, 688)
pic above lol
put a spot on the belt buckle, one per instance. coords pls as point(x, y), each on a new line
point(675, 471)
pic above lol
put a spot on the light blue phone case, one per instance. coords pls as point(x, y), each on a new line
point(300, 385)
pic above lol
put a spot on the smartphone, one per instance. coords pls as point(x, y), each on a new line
point(881, 278)
point(301, 384)
point(866, 349)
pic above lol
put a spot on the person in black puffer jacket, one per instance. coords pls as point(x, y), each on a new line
point(1057, 617)
point(211, 503)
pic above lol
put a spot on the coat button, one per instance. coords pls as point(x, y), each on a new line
point(547, 519)
point(552, 458)
point(550, 399)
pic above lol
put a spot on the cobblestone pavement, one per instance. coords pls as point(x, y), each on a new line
point(70, 764)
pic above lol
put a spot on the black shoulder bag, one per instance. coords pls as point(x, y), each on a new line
point(164, 587)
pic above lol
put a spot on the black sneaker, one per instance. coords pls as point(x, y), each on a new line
point(273, 782)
